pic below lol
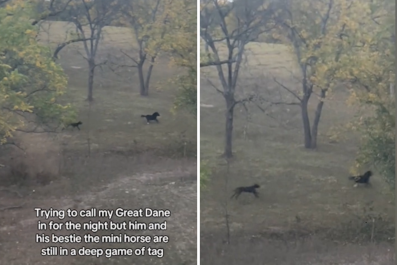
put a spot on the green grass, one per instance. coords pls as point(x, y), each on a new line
point(132, 163)
point(268, 150)
point(115, 114)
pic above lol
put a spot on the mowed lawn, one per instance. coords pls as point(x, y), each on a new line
point(305, 190)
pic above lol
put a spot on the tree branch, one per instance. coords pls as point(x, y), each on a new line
point(212, 63)
point(289, 90)
point(217, 89)
point(63, 45)
point(53, 13)
point(284, 103)
point(130, 57)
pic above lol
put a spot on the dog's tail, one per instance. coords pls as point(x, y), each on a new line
point(143, 116)
point(352, 177)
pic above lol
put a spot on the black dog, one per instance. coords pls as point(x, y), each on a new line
point(250, 189)
point(152, 117)
point(75, 124)
point(363, 179)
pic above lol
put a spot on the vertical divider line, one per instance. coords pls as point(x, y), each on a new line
point(395, 138)
point(198, 131)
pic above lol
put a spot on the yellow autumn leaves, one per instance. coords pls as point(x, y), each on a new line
point(30, 81)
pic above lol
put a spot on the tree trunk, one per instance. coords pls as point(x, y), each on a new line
point(91, 64)
point(149, 74)
point(316, 121)
point(229, 115)
point(306, 124)
point(141, 80)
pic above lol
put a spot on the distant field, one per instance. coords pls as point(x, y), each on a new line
point(118, 105)
point(131, 164)
point(303, 192)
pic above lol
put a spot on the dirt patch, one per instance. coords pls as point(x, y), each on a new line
point(174, 190)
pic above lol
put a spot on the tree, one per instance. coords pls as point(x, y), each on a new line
point(187, 91)
point(31, 83)
point(319, 34)
point(371, 71)
point(148, 20)
point(211, 24)
point(182, 45)
point(39, 11)
point(45, 10)
point(250, 19)
point(90, 17)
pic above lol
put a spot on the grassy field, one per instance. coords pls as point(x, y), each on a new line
point(304, 193)
point(131, 164)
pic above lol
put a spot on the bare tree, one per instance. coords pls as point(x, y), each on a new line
point(250, 20)
point(90, 17)
point(148, 21)
point(45, 11)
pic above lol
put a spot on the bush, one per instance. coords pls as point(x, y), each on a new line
point(205, 174)
point(378, 144)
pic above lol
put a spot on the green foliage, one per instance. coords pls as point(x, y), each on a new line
point(31, 83)
point(148, 23)
point(187, 94)
point(147, 20)
point(182, 44)
point(378, 144)
point(372, 71)
point(205, 174)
